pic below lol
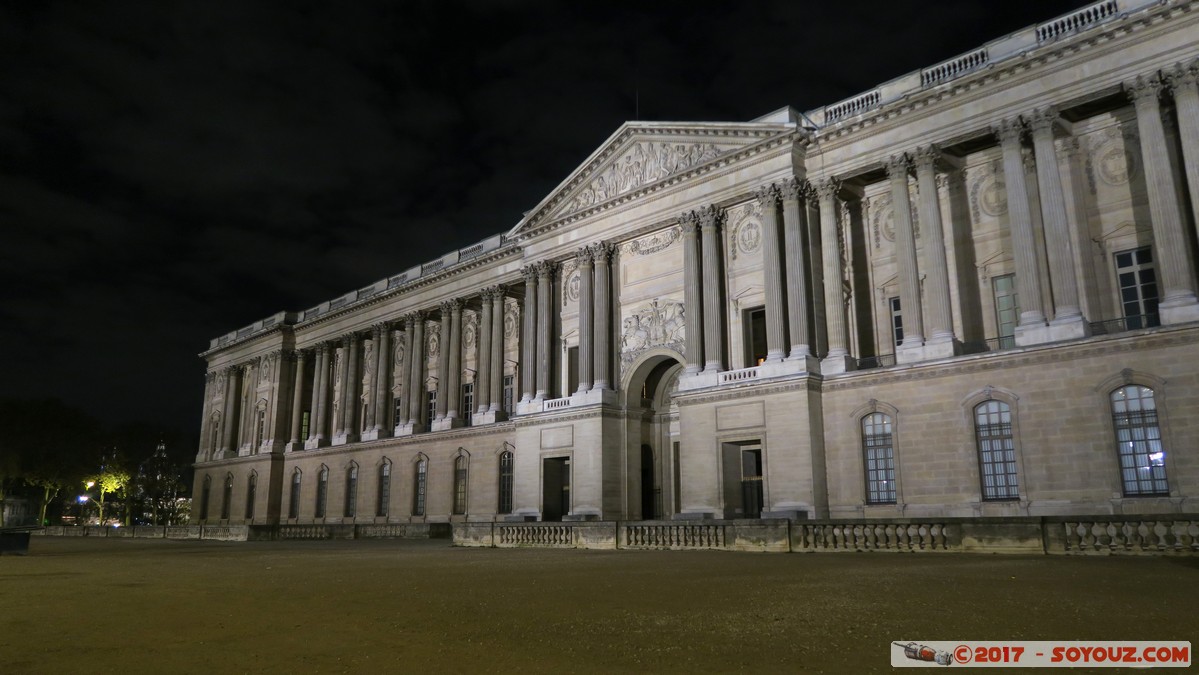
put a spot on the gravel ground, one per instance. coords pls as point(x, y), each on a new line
point(154, 606)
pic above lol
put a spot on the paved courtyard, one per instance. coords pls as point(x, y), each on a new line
point(153, 606)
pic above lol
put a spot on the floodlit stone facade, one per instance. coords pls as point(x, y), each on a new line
point(970, 291)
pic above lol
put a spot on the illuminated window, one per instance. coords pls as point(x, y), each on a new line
point(1139, 442)
point(996, 450)
point(1137, 276)
point(879, 457)
point(505, 505)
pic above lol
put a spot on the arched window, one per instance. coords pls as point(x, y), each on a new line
point(460, 485)
point(996, 450)
point(205, 492)
point(418, 487)
point(293, 506)
point(1139, 442)
point(251, 494)
point(322, 491)
point(351, 506)
point(505, 505)
point(226, 496)
point(878, 455)
point(384, 493)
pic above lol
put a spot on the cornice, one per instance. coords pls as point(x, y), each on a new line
point(277, 328)
point(975, 84)
point(555, 417)
point(537, 228)
point(811, 382)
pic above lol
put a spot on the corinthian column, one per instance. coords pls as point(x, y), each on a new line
point(483, 390)
point(528, 335)
point(1186, 103)
point(297, 404)
point(692, 297)
point(454, 384)
point(371, 416)
point(940, 313)
point(545, 325)
point(402, 418)
point(602, 253)
point(318, 427)
point(711, 219)
point(1178, 303)
point(1024, 251)
point(497, 355)
point(1063, 283)
point(443, 363)
point(586, 326)
point(905, 254)
point(797, 306)
point(377, 426)
point(415, 389)
point(776, 309)
point(838, 359)
point(230, 415)
point(351, 385)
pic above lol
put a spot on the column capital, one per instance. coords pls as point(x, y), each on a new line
point(545, 268)
point(827, 188)
point(926, 157)
point(1183, 75)
point(601, 251)
point(689, 221)
point(1044, 120)
point(767, 195)
point(794, 189)
point(898, 165)
point(1009, 130)
point(450, 306)
point(529, 272)
point(486, 293)
point(585, 255)
point(710, 217)
point(1144, 89)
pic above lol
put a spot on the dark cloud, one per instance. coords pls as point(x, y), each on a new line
point(170, 171)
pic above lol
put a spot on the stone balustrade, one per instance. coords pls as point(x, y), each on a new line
point(1133, 535)
point(874, 536)
point(673, 536)
point(535, 534)
point(1087, 16)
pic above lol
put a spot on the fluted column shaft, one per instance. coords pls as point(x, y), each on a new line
point(1028, 273)
point(940, 312)
point(350, 394)
point(776, 307)
point(443, 362)
point(796, 271)
point(602, 253)
point(545, 323)
point(455, 372)
point(1063, 283)
point(403, 417)
point(415, 391)
point(382, 380)
point(830, 254)
point(692, 296)
point(483, 390)
point(232, 392)
point(318, 429)
point(297, 399)
point(528, 336)
point(713, 289)
point(586, 314)
point(497, 350)
point(1186, 104)
point(371, 415)
point(905, 253)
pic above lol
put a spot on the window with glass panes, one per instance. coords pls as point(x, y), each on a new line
point(396, 415)
point(1137, 277)
point(460, 485)
point(351, 505)
point(383, 502)
point(251, 495)
point(1139, 442)
point(418, 488)
point(996, 450)
point(509, 392)
point(430, 409)
point(506, 475)
point(322, 492)
point(293, 506)
point(896, 321)
point(304, 419)
point(227, 497)
point(1007, 309)
point(879, 457)
point(468, 402)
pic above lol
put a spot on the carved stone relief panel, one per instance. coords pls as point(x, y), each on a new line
point(988, 191)
point(660, 323)
point(653, 243)
point(744, 228)
point(640, 164)
point(1113, 156)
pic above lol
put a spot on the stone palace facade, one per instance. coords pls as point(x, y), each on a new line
point(969, 291)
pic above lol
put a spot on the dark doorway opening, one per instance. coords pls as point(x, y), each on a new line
point(743, 483)
point(649, 495)
point(555, 495)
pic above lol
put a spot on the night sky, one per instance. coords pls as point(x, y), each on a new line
point(172, 171)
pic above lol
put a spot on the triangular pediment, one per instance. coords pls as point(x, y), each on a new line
point(643, 156)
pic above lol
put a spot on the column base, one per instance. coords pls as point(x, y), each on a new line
point(447, 423)
point(343, 439)
point(293, 446)
point(409, 429)
point(1073, 328)
point(929, 351)
point(832, 365)
point(489, 417)
point(376, 434)
point(314, 443)
point(790, 366)
point(594, 396)
point(700, 380)
point(1172, 313)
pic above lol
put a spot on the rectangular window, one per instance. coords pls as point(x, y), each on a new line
point(1139, 442)
point(304, 419)
point(879, 454)
point(509, 392)
point(460, 485)
point(396, 415)
point(572, 370)
point(896, 321)
point(468, 402)
point(996, 451)
point(1007, 309)
point(351, 505)
point(755, 336)
point(506, 476)
point(293, 508)
point(418, 488)
point(261, 433)
point(227, 498)
point(322, 493)
point(251, 495)
point(430, 408)
point(384, 494)
point(1137, 277)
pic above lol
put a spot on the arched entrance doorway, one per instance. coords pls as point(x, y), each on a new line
point(651, 436)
